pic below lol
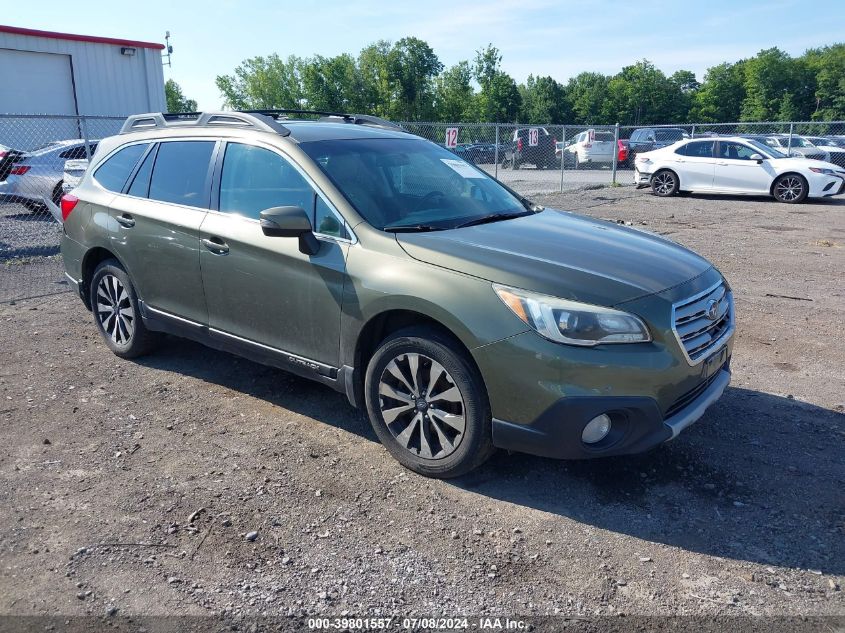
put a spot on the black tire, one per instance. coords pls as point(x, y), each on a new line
point(123, 330)
point(665, 183)
point(58, 193)
point(471, 447)
point(790, 188)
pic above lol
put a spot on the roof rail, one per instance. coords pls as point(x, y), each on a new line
point(154, 120)
point(359, 119)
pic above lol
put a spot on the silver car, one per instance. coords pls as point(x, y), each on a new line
point(36, 177)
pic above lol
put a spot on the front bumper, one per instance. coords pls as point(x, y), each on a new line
point(542, 394)
point(638, 424)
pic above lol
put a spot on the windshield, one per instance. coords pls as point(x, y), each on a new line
point(797, 141)
point(397, 183)
point(669, 135)
point(765, 150)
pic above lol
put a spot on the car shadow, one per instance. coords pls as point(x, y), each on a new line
point(276, 386)
point(760, 478)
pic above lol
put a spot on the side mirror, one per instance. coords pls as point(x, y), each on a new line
point(290, 222)
point(758, 157)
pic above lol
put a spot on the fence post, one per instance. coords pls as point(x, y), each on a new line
point(789, 144)
point(693, 131)
point(85, 137)
point(615, 151)
point(496, 155)
point(562, 161)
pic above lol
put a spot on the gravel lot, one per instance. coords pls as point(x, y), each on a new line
point(193, 482)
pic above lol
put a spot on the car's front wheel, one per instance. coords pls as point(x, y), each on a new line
point(790, 188)
point(115, 307)
point(427, 404)
point(664, 183)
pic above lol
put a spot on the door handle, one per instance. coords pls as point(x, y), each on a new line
point(721, 163)
point(125, 220)
point(215, 245)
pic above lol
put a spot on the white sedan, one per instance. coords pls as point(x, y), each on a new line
point(736, 165)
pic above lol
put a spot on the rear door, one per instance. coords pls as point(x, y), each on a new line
point(696, 165)
point(156, 226)
point(737, 172)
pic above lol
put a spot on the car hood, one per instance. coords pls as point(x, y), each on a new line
point(561, 254)
point(794, 162)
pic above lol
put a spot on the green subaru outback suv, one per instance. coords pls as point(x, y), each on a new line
point(462, 316)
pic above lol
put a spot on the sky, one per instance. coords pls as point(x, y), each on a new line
point(539, 37)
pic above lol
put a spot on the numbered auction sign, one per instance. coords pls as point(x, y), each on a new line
point(451, 137)
point(533, 137)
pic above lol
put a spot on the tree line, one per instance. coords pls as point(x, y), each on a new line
point(405, 81)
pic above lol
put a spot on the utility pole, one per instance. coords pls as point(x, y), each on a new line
point(168, 50)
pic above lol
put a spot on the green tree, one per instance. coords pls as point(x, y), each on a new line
point(720, 97)
point(585, 93)
point(176, 100)
point(499, 99)
point(454, 95)
point(642, 94)
point(828, 67)
point(776, 84)
point(263, 83)
point(374, 67)
point(413, 66)
point(333, 84)
point(544, 101)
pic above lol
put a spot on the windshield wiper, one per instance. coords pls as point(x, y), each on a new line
point(411, 228)
point(494, 217)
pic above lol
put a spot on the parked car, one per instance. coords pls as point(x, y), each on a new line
point(36, 176)
point(8, 158)
point(797, 146)
point(73, 172)
point(521, 150)
point(647, 139)
point(591, 146)
point(835, 152)
point(736, 165)
point(461, 315)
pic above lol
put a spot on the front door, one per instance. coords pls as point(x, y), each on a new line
point(264, 289)
point(737, 172)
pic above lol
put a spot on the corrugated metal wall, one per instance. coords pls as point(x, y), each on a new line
point(105, 82)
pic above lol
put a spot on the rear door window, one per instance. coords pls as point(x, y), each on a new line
point(114, 172)
point(698, 149)
point(180, 174)
point(140, 186)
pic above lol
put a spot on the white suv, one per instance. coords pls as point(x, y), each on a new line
point(591, 146)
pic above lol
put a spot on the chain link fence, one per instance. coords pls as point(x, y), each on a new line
point(531, 159)
point(33, 152)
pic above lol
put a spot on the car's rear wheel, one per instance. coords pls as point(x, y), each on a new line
point(790, 188)
point(664, 183)
point(115, 307)
point(427, 404)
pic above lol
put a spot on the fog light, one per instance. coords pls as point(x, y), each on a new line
point(596, 429)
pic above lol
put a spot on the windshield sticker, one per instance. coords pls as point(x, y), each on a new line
point(465, 170)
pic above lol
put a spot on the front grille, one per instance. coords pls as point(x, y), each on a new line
point(697, 332)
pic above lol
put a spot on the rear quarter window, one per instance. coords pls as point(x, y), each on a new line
point(114, 172)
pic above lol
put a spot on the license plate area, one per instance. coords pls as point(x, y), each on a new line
point(714, 362)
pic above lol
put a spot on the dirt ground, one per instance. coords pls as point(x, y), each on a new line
point(133, 487)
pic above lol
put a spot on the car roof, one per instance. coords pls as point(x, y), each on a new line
point(308, 131)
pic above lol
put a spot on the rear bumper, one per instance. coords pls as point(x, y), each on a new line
point(638, 424)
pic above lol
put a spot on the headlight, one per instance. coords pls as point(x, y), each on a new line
point(572, 322)
point(823, 170)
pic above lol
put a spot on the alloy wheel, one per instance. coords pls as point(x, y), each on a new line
point(114, 310)
point(664, 183)
point(789, 188)
point(422, 406)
